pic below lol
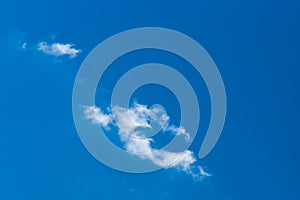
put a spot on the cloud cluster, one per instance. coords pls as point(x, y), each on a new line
point(133, 122)
point(58, 49)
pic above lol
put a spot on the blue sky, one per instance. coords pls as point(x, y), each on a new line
point(255, 45)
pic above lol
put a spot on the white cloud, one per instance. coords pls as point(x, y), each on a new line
point(198, 173)
point(180, 160)
point(58, 49)
point(129, 121)
point(203, 173)
point(97, 116)
point(157, 114)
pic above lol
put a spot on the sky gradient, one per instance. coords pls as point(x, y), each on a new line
point(255, 46)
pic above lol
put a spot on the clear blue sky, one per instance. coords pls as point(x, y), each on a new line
point(255, 45)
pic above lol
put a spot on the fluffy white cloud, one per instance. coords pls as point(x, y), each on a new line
point(97, 116)
point(129, 123)
point(181, 160)
point(58, 49)
point(128, 120)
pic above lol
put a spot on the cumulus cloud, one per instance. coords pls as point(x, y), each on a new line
point(58, 49)
point(97, 116)
point(131, 123)
point(128, 120)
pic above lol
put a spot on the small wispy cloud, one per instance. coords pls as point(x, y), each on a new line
point(129, 123)
point(58, 49)
point(163, 119)
point(24, 45)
